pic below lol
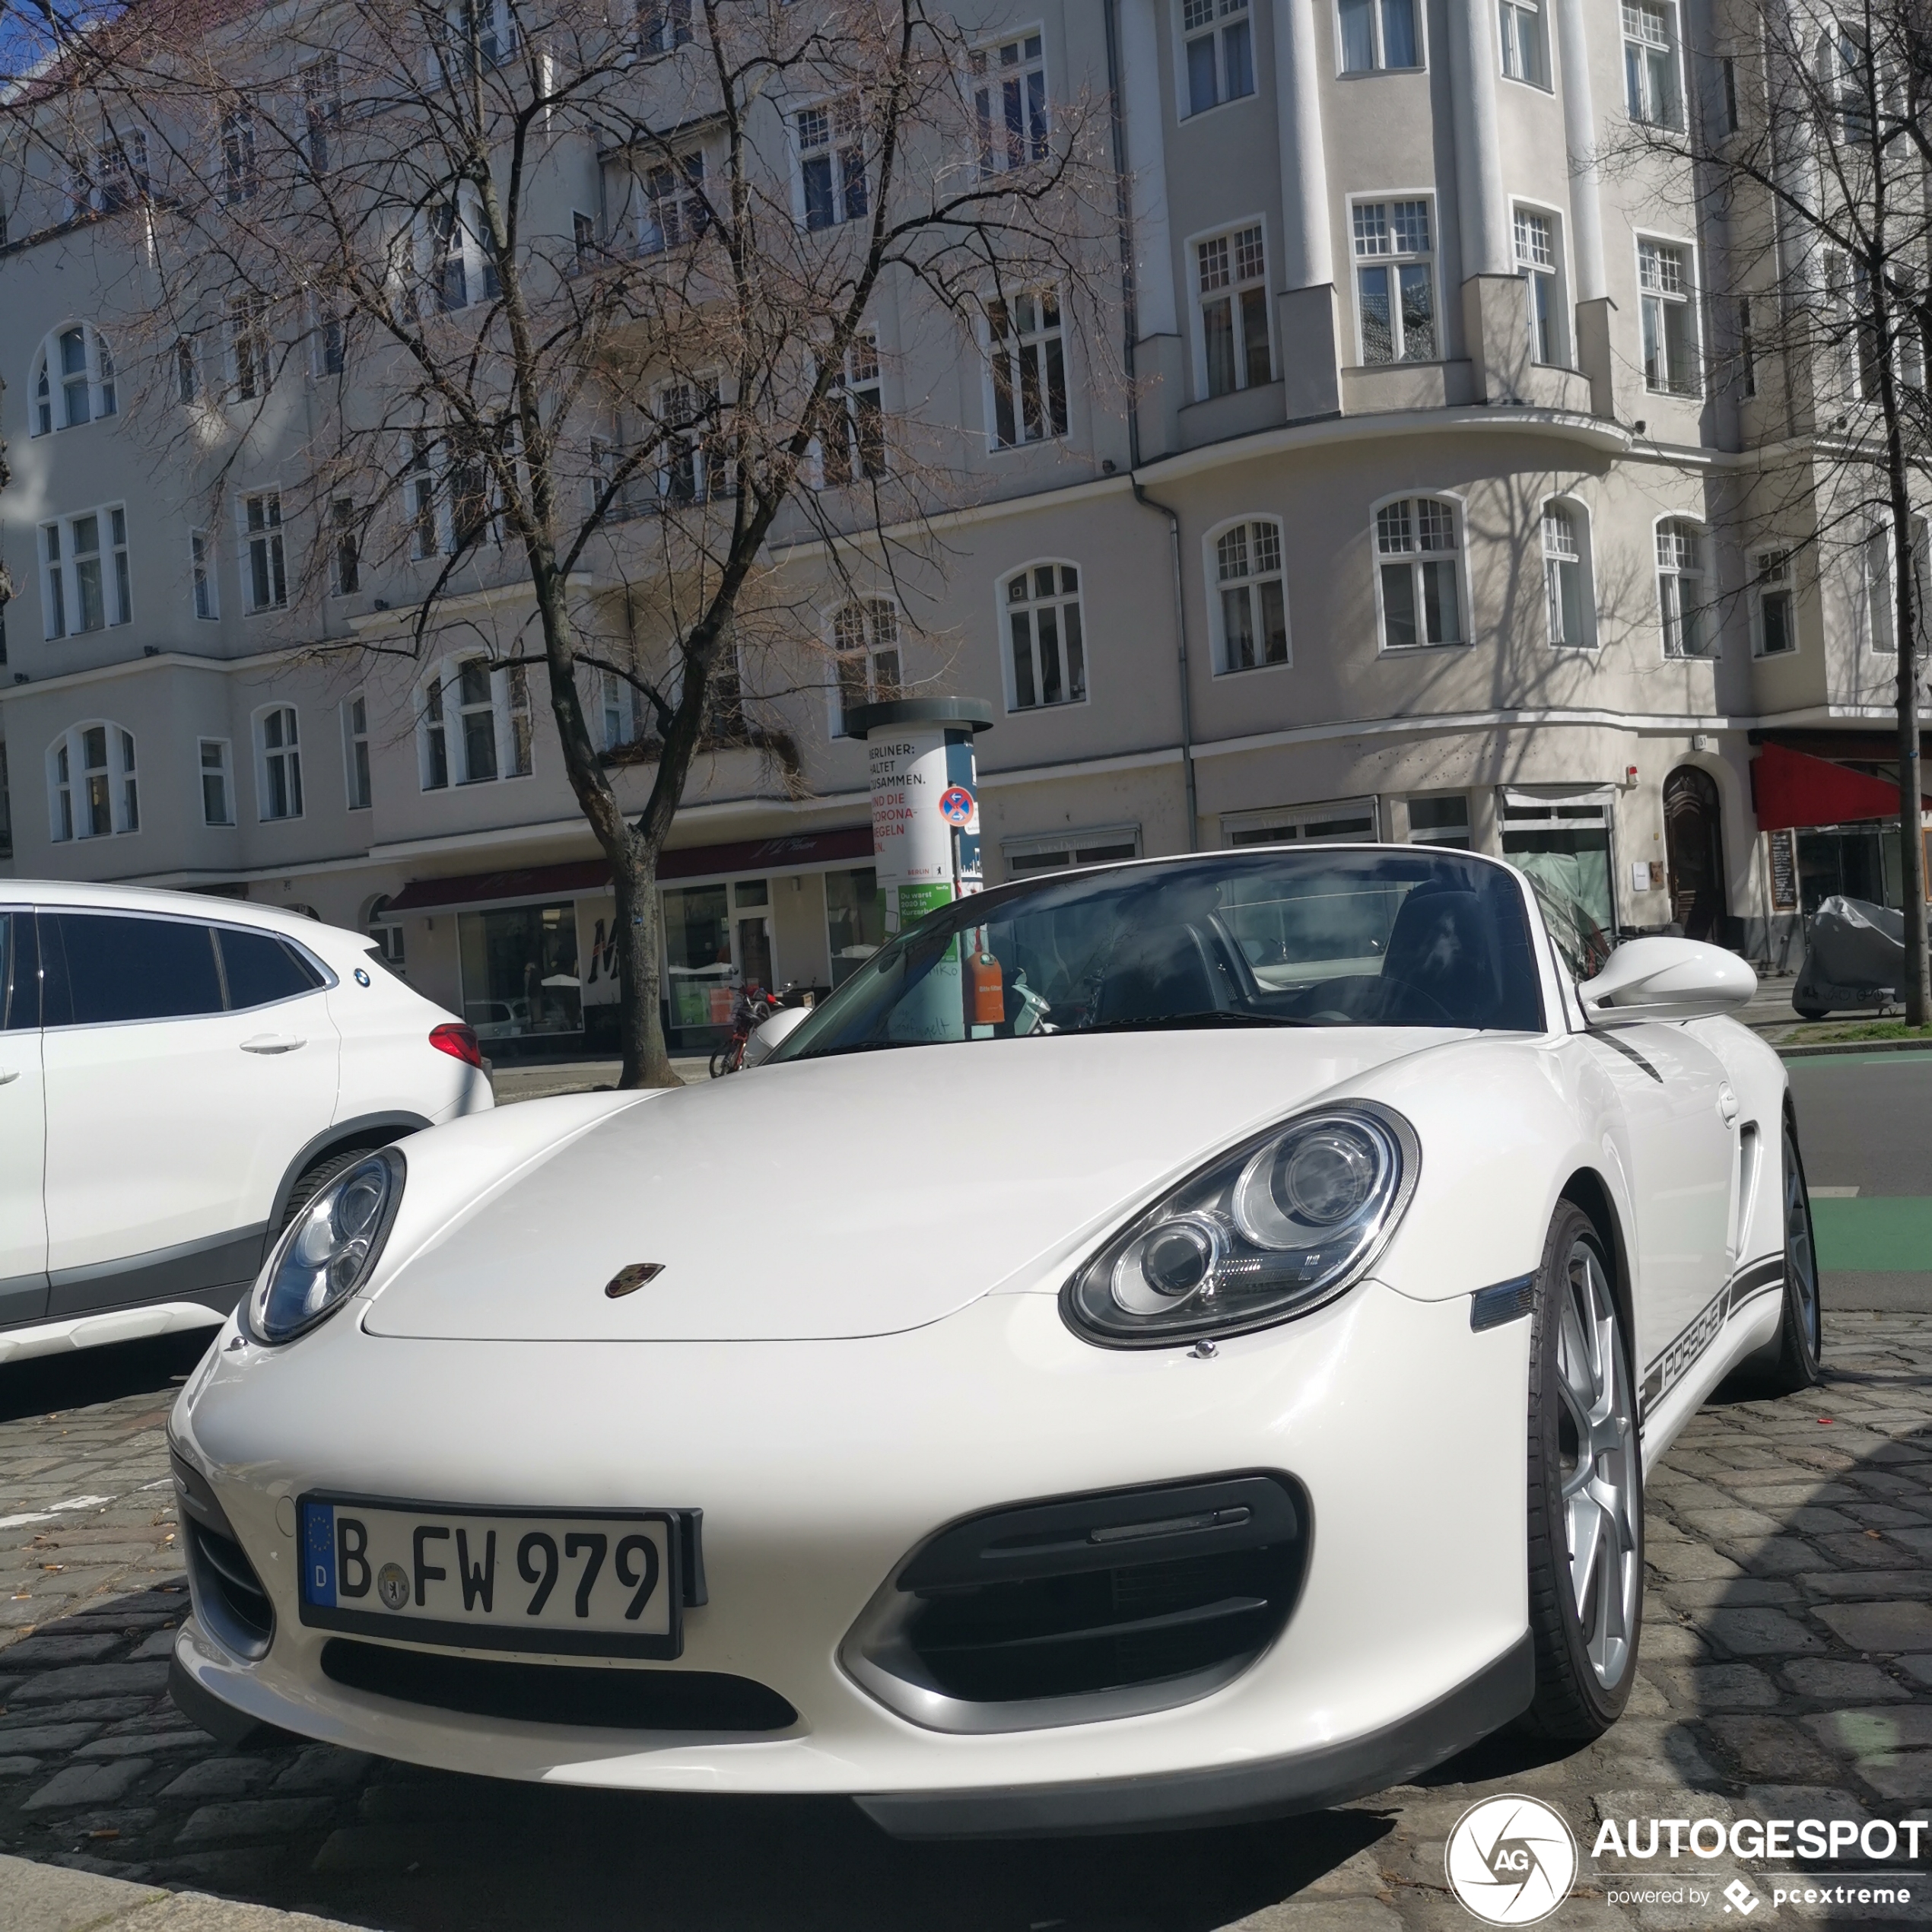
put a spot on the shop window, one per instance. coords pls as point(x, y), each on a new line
point(865, 649)
point(1395, 281)
point(1026, 369)
point(1419, 549)
point(519, 972)
point(218, 782)
point(854, 920)
point(92, 788)
point(1563, 843)
point(1681, 603)
point(1009, 103)
point(1440, 818)
point(1105, 845)
point(1377, 34)
point(278, 763)
point(1048, 657)
point(1219, 45)
point(1232, 292)
point(1336, 822)
point(1566, 597)
point(1250, 612)
point(697, 957)
point(1774, 629)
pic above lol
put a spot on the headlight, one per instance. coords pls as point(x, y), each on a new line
point(1273, 1228)
point(329, 1251)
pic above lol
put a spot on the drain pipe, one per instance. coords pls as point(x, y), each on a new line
point(1125, 215)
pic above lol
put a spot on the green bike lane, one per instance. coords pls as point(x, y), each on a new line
point(1865, 1125)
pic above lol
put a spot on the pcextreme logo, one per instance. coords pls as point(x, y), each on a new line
point(1511, 1860)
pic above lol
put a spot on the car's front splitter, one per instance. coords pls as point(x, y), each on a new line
point(820, 1467)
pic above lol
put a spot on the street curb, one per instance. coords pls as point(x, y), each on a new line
point(1819, 1049)
point(58, 1898)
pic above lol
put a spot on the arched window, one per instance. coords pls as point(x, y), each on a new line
point(1681, 597)
point(865, 648)
point(1046, 654)
point(473, 723)
point(1419, 578)
point(1566, 589)
point(1249, 606)
point(73, 380)
point(92, 792)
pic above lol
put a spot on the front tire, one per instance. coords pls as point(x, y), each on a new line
point(1800, 1336)
point(1586, 1491)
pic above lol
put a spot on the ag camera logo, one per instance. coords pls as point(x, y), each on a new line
point(1511, 1860)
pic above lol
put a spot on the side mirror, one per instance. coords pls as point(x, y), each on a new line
point(766, 1037)
point(1666, 980)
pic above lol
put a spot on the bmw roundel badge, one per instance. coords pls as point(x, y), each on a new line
point(362, 977)
point(626, 1281)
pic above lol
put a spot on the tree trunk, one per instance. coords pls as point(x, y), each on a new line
point(1911, 842)
point(640, 947)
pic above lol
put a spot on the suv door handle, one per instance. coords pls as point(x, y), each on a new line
point(272, 1043)
point(8, 1073)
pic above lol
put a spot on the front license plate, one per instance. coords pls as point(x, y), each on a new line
point(560, 1582)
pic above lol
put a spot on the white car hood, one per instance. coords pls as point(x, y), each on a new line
point(859, 1195)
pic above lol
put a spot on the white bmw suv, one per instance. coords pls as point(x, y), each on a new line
point(178, 1075)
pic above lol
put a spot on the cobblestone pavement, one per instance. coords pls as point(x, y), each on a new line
point(1787, 1673)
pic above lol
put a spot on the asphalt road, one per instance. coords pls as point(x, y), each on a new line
point(1865, 1125)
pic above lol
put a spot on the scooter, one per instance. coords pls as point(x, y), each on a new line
point(1854, 960)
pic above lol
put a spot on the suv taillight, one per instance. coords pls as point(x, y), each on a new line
point(460, 1041)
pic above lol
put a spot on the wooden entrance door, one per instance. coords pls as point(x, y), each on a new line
point(1694, 848)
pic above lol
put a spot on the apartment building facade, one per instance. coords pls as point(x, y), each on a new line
point(1420, 506)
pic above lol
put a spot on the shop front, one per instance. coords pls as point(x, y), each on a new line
point(1828, 805)
point(536, 957)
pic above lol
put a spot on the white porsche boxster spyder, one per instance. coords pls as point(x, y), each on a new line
point(1175, 1342)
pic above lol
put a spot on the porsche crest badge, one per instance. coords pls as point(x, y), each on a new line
point(627, 1281)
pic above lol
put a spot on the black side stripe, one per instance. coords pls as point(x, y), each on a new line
point(1759, 1278)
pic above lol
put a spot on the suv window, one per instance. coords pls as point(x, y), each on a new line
point(112, 966)
point(260, 968)
point(20, 991)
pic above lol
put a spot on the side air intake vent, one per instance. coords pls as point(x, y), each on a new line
point(1089, 1607)
point(228, 1600)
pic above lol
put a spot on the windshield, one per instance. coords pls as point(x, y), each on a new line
point(1336, 936)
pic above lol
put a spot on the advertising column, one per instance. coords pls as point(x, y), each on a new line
point(925, 829)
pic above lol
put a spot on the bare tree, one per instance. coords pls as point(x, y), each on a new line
point(380, 193)
point(1811, 156)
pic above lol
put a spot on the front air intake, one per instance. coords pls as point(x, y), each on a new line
point(1085, 1607)
point(230, 1602)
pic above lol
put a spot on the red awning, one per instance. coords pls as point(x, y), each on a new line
point(750, 855)
point(1792, 788)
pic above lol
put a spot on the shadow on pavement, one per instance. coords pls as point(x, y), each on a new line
point(77, 1378)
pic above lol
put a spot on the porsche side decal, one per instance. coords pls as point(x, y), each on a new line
point(1757, 1278)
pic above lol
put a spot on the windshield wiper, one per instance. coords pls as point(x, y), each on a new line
point(1208, 1016)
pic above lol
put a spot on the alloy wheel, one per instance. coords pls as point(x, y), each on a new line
point(1597, 1441)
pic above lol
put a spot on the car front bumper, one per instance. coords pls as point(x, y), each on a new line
point(820, 1466)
